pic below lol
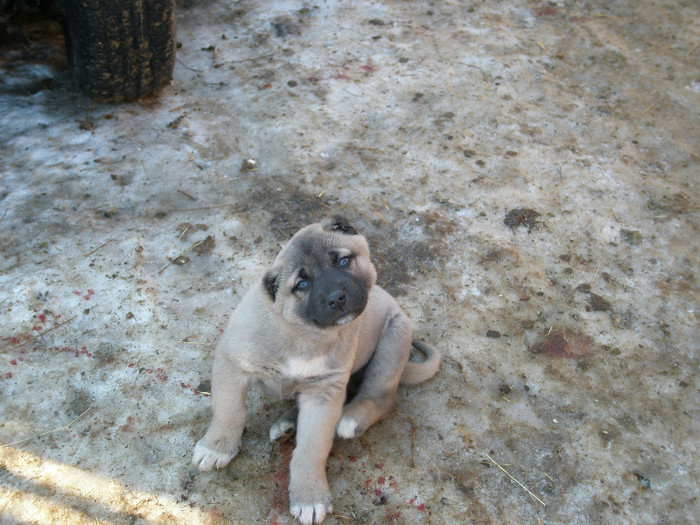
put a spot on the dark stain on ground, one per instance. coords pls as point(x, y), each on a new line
point(285, 26)
point(105, 352)
point(400, 256)
point(521, 217)
point(633, 238)
point(561, 342)
point(598, 304)
point(399, 250)
point(79, 401)
point(291, 208)
point(184, 229)
point(205, 247)
point(678, 203)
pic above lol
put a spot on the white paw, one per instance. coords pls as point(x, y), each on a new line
point(205, 458)
point(310, 514)
point(281, 430)
point(347, 428)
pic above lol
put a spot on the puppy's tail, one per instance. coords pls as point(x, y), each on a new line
point(417, 371)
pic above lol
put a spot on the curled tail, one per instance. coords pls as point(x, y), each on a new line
point(417, 371)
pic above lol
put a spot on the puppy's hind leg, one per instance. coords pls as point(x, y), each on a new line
point(285, 426)
point(377, 391)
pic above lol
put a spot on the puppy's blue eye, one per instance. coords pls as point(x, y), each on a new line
point(302, 285)
point(344, 262)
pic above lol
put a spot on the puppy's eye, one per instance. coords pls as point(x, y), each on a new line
point(302, 285)
point(344, 262)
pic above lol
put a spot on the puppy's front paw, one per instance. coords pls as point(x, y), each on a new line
point(309, 499)
point(207, 457)
point(310, 514)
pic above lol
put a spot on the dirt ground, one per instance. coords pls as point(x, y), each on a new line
point(527, 175)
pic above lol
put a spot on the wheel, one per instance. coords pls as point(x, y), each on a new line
point(120, 50)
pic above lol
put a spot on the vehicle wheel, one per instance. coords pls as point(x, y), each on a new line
point(120, 50)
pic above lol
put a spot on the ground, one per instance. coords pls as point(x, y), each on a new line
point(526, 173)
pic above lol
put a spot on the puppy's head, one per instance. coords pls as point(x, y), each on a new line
point(322, 276)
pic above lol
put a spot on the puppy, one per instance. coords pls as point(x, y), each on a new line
point(318, 329)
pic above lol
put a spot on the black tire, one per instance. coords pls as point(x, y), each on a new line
point(120, 50)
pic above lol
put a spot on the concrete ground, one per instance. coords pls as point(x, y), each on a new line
point(527, 174)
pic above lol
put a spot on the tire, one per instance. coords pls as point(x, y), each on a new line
point(120, 50)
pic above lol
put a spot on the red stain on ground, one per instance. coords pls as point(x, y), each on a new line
point(547, 11)
point(393, 516)
point(85, 296)
point(194, 390)
point(280, 480)
point(158, 374)
point(560, 342)
point(368, 68)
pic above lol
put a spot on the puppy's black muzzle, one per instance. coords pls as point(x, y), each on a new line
point(337, 297)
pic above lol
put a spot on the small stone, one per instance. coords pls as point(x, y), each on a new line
point(249, 165)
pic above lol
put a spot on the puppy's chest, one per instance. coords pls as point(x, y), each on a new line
point(304, 368)
point(295, 374)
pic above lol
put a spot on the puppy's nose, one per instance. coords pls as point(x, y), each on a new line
point(336, 300)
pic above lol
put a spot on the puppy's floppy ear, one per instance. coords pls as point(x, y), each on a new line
point(270, 284)
point(338, 223)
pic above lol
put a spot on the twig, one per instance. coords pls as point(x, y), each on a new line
point(187, 195)
point(183, 253)
point(513, 479)
point(188, 67)
point(38, 336)
point(48, 432)
point(253, 59)
point(537, 237)
point(206, 207)
point(595, 274)
point(184, 231)
point(99, 247)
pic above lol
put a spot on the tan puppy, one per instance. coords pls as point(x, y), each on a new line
point(318, 329)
